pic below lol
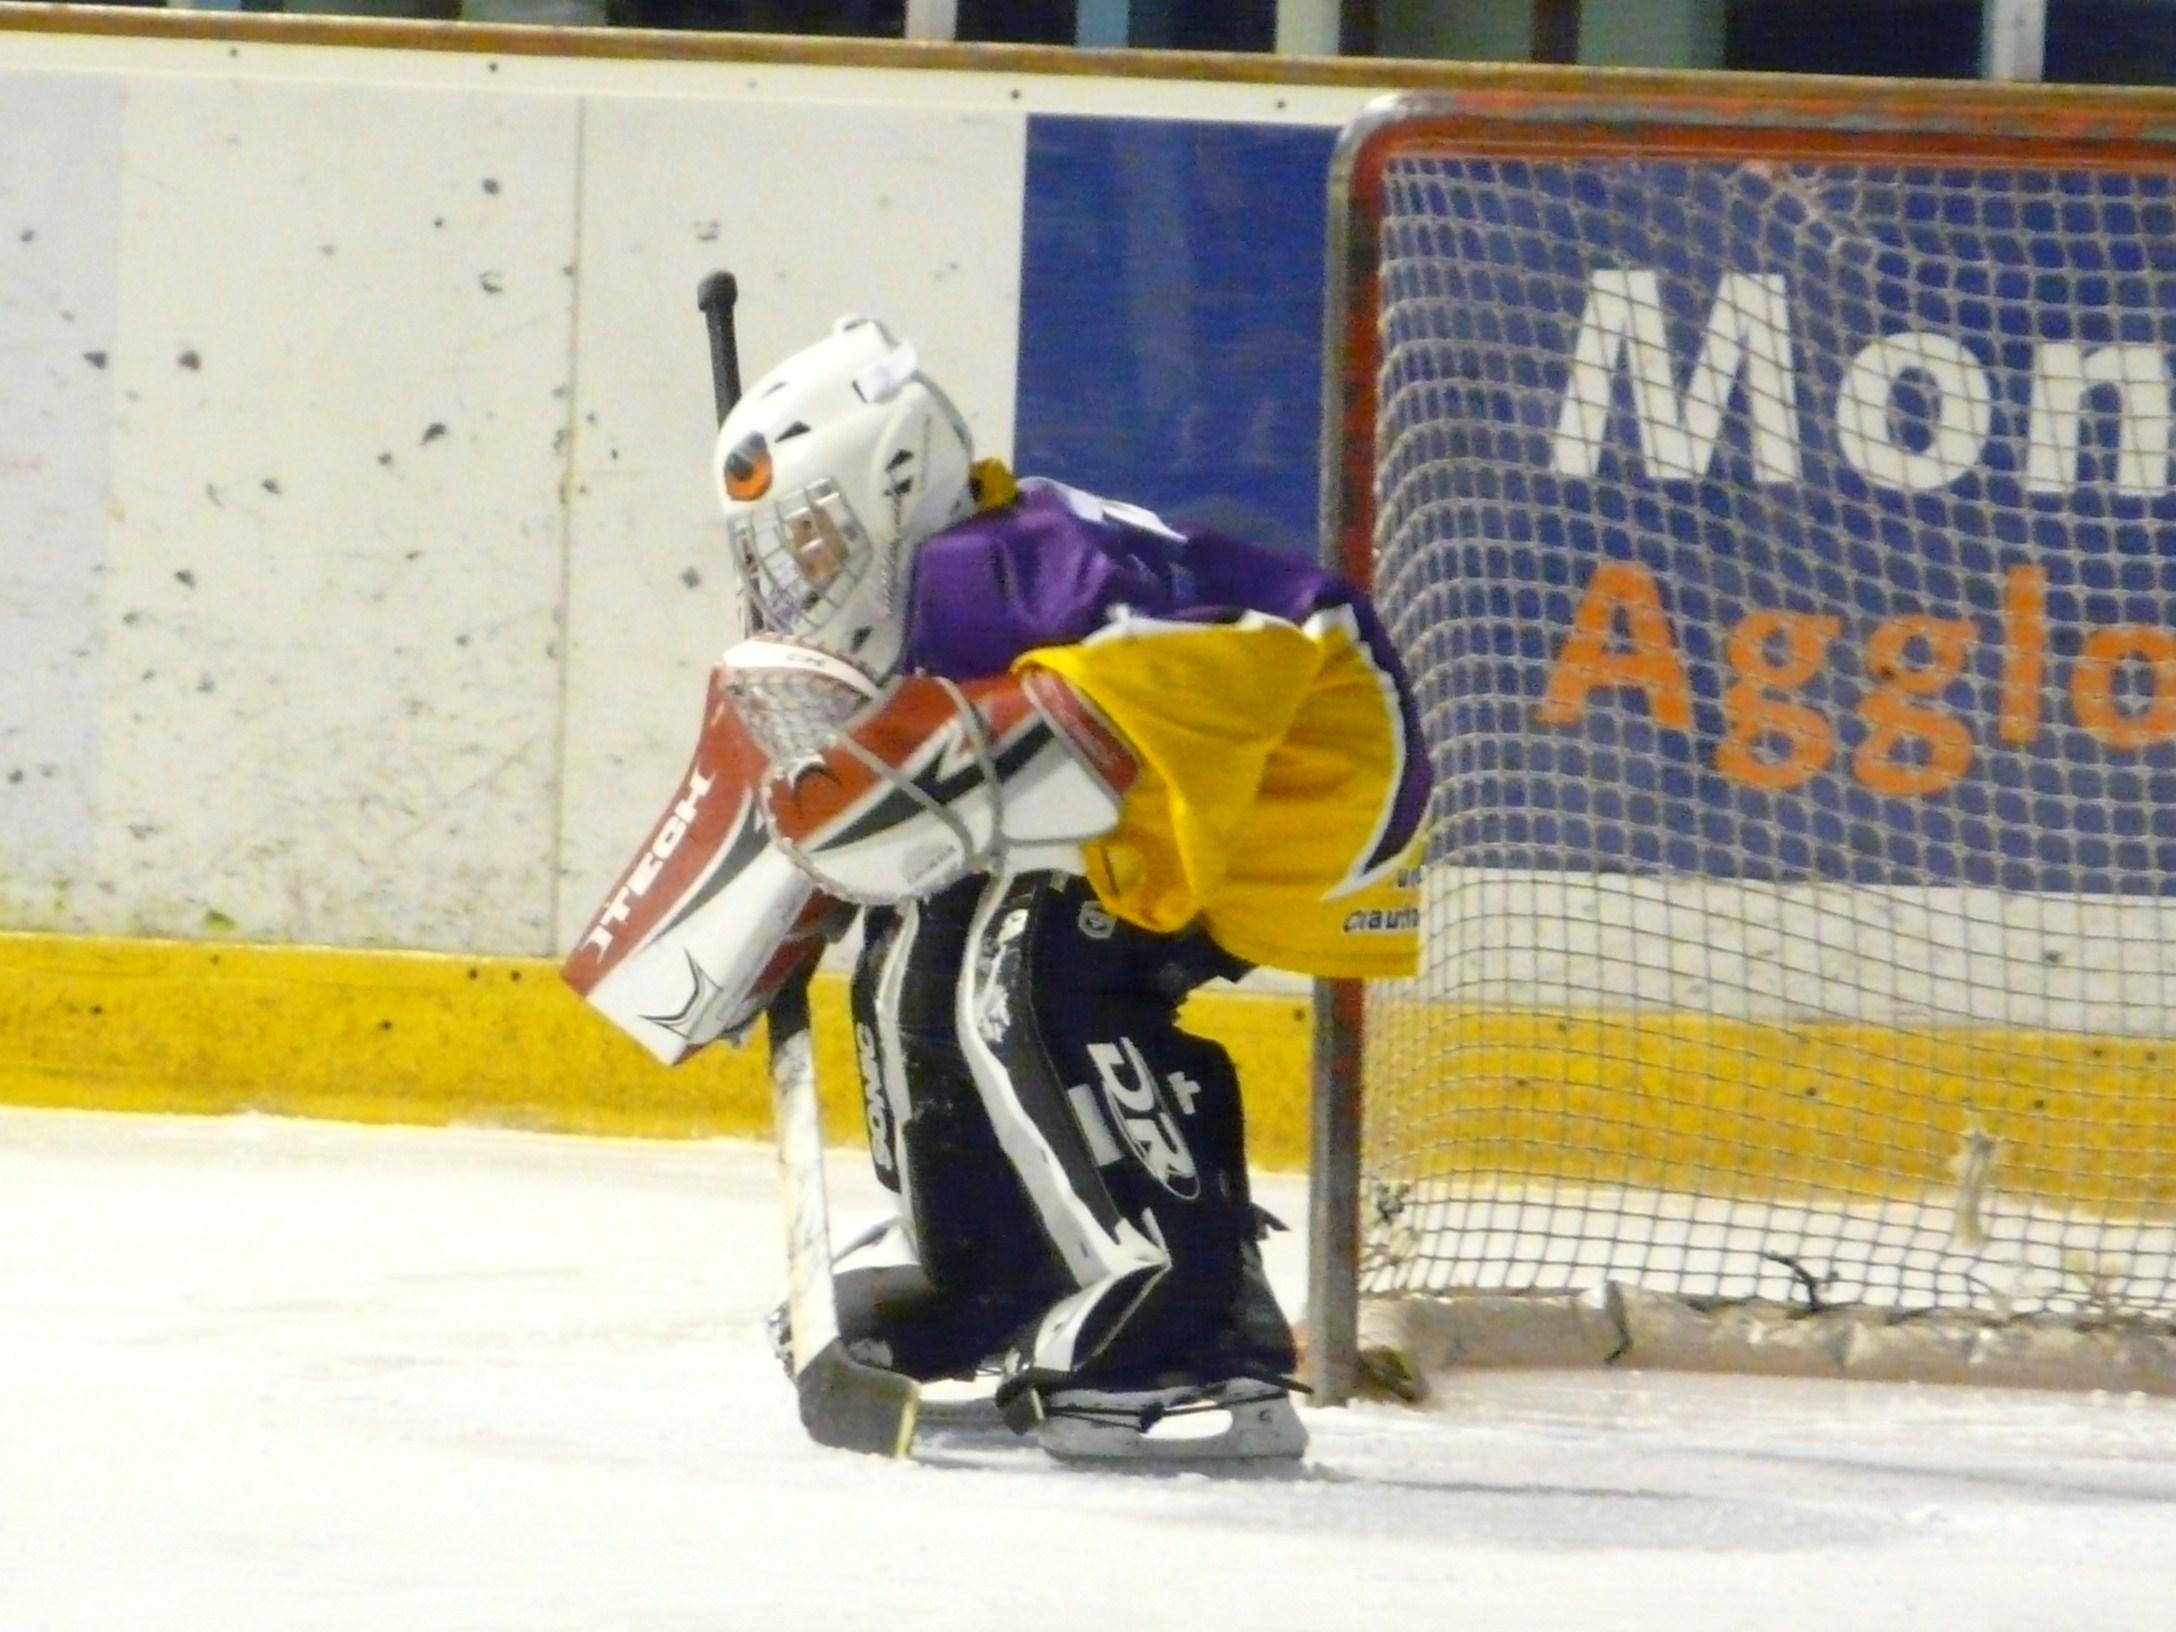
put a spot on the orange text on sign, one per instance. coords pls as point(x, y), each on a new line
point(2121, 687)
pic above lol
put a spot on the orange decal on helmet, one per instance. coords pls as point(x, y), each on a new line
point(748, 468)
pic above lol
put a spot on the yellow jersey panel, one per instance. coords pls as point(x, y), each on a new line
point(1272, 755)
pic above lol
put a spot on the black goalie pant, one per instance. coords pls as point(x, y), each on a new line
point(1069, 1162)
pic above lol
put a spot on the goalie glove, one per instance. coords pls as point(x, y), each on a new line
point(709, 921)
point(932, 780)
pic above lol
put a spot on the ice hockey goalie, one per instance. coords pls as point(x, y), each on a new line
point(1069, 763)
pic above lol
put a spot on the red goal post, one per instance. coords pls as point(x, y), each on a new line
point(1769, 485)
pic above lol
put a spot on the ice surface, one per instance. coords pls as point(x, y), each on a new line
point(275, 1375)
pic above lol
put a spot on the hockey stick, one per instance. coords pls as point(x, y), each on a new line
point(843, 1402)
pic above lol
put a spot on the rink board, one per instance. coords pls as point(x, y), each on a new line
point(407, 1037)
point(421, 1038)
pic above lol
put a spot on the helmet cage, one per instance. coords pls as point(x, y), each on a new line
point(803, 558)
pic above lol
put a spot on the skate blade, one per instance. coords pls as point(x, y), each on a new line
point(1253, 1432)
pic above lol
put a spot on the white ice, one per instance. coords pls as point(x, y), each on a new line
point(272, 1375)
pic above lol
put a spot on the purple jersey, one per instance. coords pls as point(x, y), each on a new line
point(1051, 568)
point(1048, 569)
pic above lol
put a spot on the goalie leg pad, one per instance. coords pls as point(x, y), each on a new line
point(942, 1287)
point(1127, 1133)
point(969, 1215)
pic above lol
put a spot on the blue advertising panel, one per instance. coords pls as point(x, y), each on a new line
point(1787, 522)
point(1171, 318)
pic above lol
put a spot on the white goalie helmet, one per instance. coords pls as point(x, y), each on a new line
point(833, 468)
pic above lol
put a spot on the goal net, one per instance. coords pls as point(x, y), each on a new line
point(1772, 504)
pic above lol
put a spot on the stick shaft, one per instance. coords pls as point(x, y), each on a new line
point(843, 1402)
point(799, 1120)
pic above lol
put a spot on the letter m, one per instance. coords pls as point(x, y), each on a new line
point(1748, 334)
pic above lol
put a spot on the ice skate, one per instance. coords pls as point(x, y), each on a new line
point(1240, 1419)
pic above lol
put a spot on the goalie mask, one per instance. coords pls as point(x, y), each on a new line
point(833, 468)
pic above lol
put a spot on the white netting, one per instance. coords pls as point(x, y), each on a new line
point(1783, 553)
